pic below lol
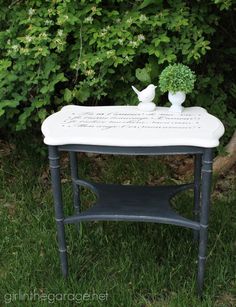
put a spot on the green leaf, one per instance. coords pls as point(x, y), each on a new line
point(149, 2)
point(68, 95)
point(83, 94)
point(161, 39)
point(44, 89)
point(4, 64)
point(42, 114)
point(39, 103)
point(9, 103)
point(143, 75)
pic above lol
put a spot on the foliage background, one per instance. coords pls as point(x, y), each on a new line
point(58, 52)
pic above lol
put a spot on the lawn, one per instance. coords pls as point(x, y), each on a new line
point(110, 263)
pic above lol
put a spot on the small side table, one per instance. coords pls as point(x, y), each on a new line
point(128, 131)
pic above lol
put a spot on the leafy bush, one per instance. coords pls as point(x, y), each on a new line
point(90, 52)
point(177, 78)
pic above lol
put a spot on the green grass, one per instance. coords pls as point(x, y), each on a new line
point(136, 264)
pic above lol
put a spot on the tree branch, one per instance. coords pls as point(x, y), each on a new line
point(223, 164)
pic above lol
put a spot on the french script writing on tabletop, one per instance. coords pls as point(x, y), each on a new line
point(122, 120)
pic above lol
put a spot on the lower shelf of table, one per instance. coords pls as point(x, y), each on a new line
point(134, 203)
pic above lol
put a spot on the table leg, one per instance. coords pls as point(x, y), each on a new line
point(205, 202)
point(59, 215)
point(74, 176)
point(197, 189)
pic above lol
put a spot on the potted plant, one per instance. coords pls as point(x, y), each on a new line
point(177, 80)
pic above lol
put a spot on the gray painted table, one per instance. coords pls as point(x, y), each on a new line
point(125, 130)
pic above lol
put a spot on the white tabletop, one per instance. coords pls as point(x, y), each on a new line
point(128, 126)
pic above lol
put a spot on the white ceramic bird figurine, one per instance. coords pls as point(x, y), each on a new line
point(146, 95)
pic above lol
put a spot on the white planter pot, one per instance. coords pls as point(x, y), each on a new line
point(176, 100)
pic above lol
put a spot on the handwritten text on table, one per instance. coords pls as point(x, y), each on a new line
point(114, 120)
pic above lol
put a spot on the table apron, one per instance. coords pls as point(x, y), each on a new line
point(118, 150)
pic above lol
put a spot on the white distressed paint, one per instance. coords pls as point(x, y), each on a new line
point(129, 126)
